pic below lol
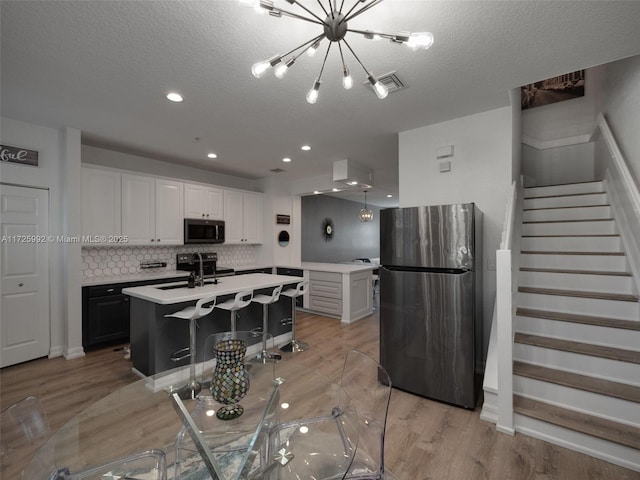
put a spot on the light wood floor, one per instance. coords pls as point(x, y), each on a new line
point(425, 440)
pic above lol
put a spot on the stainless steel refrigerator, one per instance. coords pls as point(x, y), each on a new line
point(431, 300)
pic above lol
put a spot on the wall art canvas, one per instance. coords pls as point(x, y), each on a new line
point(552, 90)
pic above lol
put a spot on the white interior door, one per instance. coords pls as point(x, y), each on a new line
point(24, 277)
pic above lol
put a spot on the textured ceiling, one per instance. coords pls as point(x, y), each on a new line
point(105, 66)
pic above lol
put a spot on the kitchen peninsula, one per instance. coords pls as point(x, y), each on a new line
point(154, 337)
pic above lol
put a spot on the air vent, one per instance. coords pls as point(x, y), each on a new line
point(276, 170)
point(391, 81)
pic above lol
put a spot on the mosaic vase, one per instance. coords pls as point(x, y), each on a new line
point(230, 380)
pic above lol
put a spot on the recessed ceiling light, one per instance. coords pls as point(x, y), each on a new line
point(174, 97)
point(389, 196)
point(286, 159)
point(316, 192)
point(306, 148)
point(335, 189)
point(212, 155)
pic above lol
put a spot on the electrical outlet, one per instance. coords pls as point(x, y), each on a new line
point(491, 264)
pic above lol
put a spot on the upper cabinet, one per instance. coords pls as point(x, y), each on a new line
point(101, 199)
point(203, 202)
point(146, 210)
point(243, 217)
point(152, 210)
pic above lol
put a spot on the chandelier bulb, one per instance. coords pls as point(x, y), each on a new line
point(312, 95)
point(381, 90)
point(281, 70)
point(260, 68)
point(311, 51)
point(347, 79)
point(420, 41)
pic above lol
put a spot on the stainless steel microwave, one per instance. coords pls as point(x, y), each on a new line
point(203, 231)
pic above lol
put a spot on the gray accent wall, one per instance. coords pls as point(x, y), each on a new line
point(351, 239)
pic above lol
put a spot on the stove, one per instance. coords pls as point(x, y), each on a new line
point(209, 260)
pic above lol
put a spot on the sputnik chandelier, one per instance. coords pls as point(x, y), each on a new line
point(334, 29)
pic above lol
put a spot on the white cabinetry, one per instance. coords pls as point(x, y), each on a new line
point(325, 293)
point(201, 201)
point(339, 291)
point(243, 217)
point(152, 210)
point(101, 200)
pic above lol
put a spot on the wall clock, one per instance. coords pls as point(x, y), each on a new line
point(327, 229)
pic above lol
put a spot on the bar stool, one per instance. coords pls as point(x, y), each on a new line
point(193, 313)
point(295, 345)
point(267, 300)
point(240, 301)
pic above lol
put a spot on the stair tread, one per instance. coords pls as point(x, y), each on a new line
point(588, 235)
point(610, 430)
point(545, 252)
point(569, 221)
point(565, 184)
point(575, 380)
point(579, 272)
point(612, 353)
point(567, 195)
point(622, 297)
point(577, 318)
point(568, 206)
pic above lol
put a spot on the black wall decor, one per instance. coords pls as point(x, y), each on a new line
point(327, 229)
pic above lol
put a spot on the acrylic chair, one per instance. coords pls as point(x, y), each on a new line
point(369, 387)
point(24, 427)
point(148, 465)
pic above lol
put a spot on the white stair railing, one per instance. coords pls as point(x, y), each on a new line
point(623, 192)
point(506, 272)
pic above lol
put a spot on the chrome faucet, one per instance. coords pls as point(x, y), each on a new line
point(199, 278)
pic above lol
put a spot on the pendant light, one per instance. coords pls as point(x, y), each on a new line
point(366, 214)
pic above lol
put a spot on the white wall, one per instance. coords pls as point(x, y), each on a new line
point(556, 136)
point(58, 159)
point(481, 172)
point(623, 109)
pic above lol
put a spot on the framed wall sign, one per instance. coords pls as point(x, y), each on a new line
point(283, 219)
point(19, 155)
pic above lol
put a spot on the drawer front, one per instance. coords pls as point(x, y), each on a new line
point(321, 288)
point(105, 290)
point(292, 272)
point(330, 306)
point(325, 276)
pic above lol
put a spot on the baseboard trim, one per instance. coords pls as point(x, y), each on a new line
point(56, 351)
point(556, 143)
point(610, 452)
point(71, 353)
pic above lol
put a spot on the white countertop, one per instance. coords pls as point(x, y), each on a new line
point(337, 267)
point(225, 286)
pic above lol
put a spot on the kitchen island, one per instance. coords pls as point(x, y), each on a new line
point(154, 337)
point(340, 290)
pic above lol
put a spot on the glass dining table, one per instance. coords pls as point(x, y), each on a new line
point(282, 434)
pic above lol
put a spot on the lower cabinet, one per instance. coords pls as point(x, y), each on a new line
point(106, 312)
point(325, 293)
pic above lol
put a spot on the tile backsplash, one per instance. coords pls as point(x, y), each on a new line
point(122, 260)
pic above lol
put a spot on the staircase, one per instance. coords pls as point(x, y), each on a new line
point(577, 328)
